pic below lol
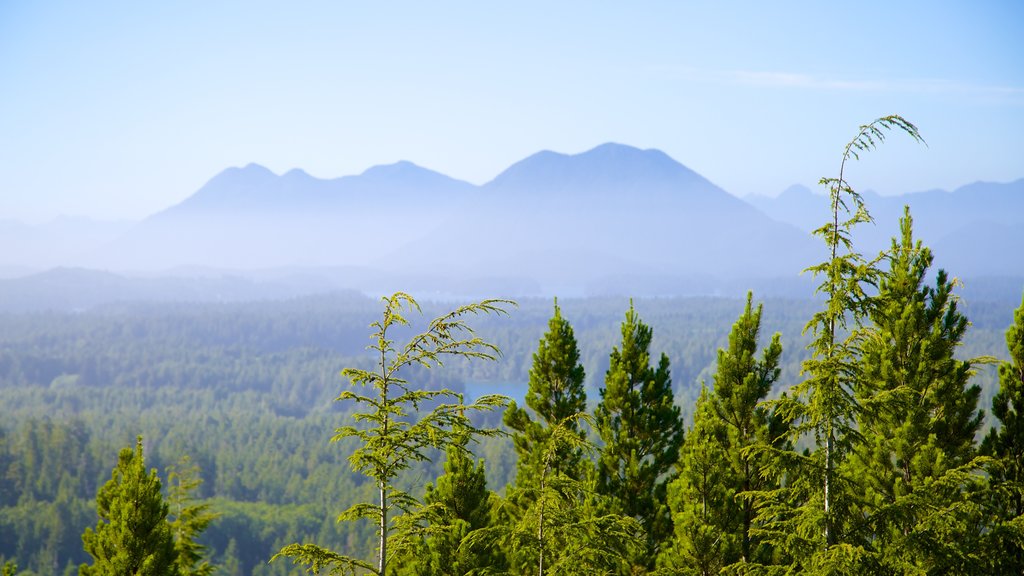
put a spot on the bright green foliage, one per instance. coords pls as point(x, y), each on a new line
point(703, 500)
point(642, 431)
point(458, 505)
point(188, 519)
point(1006, 444)
point(9, 569)
point(392, 431)
point(806, 517)
point(557, 525)
point(742, 382)
point(723, 457)
point(133, 536)
point(913, 465)
point(555, 394)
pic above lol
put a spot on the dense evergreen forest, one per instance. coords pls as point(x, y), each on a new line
point(872, 428)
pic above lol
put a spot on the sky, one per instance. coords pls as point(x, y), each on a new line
point(116, 110)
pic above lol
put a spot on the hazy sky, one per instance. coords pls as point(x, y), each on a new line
point(120, 109)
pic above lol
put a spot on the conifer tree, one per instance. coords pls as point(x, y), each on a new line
point(1006, 445)
point(914, 391)
point(555, 395)
point(133, 536)
point(719, 464)
point(919, 414)
point(703, 500)
point(459, 504)
point(393, 431)
point(642, 431)
point(559, 525)
point(805, 518)
point(742, 382)
point(188, 519)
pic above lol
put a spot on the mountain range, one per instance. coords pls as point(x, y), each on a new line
point(614, 219)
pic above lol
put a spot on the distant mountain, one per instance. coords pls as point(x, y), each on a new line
point(247, 218)
point(611, 220)
point(615, 211)
point(975, 230)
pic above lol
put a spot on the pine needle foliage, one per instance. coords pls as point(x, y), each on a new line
point(558, 525)
point(132, 536)
point(393, 434)
point(457, 505)
point(188, 518)
point(642, 431)
point(1006, 445)
point(555, 395)
point(918, 419)
point(720, 463)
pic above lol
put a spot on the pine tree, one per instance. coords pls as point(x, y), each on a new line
point(188, 519)
point(459, 504)
point(559, 525)
point(393, 431)
point(133, 536)
point(1006, 445)
point(719, 465)
point(703, 500)
point(915, 392)
point(642, 432)
point(742, 382)
point(555, 394)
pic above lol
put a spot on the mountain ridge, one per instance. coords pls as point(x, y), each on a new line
point(613, 217)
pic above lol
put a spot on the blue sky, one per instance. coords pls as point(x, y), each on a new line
point(120, 109)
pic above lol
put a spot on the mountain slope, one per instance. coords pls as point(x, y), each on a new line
point(976, 229)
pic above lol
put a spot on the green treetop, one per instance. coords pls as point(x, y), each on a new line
point(133, 537)
point(188, 518)
point(742, 382)
point(555, 395)
point(703, 500)
point(1006, 445)
point(459, 504)
point(918, 415)
point(804, 519)
point(642, 430)
point(396, 429)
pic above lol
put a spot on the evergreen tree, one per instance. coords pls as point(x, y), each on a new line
point(133, 536)
point(559, 525)
point(920, 497)
point(642, 432)
point(742, 382)
point(805, 518)
point(1006, 445)
point(555, 395)
point(458, 505)
point(703, 500)
point(188, 519)
point(393, 432)
point(719, 464)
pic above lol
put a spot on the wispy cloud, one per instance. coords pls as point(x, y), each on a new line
point(796, 80)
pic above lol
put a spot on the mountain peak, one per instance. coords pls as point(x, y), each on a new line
point(604, 167)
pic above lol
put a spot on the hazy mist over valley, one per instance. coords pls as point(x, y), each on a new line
point(614, 220)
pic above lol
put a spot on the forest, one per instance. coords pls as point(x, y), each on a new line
point(871, 429)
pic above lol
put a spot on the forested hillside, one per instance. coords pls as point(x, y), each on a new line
point(847, 434)
point(246, 391)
